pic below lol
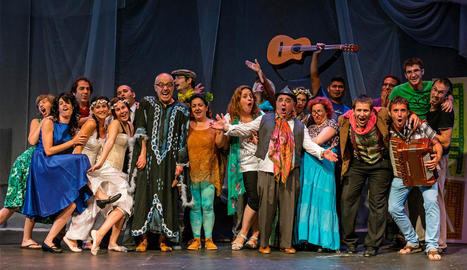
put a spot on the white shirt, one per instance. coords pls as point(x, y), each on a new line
point(266, 165)
point(248, 160)
point(132, 112)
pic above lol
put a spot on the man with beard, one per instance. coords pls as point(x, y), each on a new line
point(364, 140)
point(161, 125)
point(82, 90)
point(281, 139)
point(442, 122)
point(336, 88)
point(401, 128)
point(126, 92)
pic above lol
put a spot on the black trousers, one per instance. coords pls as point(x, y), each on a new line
point(379, 176)
point(250, 181)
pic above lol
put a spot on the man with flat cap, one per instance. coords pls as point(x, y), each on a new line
point(281, 139)
point(185, 82)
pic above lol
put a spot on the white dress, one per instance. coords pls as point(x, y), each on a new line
point(82, 224)
point(112, 180)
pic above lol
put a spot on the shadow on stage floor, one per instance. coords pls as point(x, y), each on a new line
point(13, 257)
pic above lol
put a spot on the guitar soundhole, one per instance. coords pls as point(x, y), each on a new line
point(296, 48)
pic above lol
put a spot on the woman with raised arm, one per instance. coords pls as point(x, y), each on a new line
point(242, 166)
point(107, 175)
point(316, 220)
point(57, 183)
point(95, 131)
point(203, 144)
point(19, 174)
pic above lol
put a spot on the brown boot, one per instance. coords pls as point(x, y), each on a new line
point(164, 247)
point(265, 250)
point(195, 244)
point(290, 250)
point(209, 244)
point(142, 246)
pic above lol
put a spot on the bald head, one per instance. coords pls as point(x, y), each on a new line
point(161, 76)
point(164, 86)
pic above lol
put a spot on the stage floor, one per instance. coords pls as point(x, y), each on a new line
point(13, 257)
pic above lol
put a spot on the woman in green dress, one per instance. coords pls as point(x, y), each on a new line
point(20, 171)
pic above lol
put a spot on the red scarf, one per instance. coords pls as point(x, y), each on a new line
point(371, 122)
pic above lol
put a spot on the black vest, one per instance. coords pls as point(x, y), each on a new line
point(266, 128)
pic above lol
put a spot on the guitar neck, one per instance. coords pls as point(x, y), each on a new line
point(326, 47)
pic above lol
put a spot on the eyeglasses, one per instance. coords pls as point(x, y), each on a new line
point(438, 92)
point(162, 85)
point(389, 84)
point(317, 112)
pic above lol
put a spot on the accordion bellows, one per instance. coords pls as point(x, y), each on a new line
point(408, 161)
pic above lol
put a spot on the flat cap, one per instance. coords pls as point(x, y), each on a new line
point(184, 72)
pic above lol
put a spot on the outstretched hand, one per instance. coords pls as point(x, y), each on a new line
point(219, 124)
point(253, 66)
point(330, 155)
point(199, 88)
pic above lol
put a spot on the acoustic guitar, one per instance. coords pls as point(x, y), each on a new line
point(284, 48)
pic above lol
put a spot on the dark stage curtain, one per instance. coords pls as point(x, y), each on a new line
point(439, 23)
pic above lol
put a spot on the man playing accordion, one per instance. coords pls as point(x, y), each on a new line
point(400, 128)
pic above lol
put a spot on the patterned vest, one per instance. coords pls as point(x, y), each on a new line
point(368, 147)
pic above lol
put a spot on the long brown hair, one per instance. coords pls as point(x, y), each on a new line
point(235, 107)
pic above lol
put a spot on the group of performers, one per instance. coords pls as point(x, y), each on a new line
point(290, 159)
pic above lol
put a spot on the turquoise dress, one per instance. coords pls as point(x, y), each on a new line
point(56, 181)
point(316, 219)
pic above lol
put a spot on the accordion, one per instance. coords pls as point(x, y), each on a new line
point(408, 161)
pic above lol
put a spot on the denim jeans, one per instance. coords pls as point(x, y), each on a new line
point(397, 197)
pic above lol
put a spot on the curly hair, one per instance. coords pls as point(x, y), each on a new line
point(70, 99)
point(326, 104)
point(74, 85)
point(235, 107)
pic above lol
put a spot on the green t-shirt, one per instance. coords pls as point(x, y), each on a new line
point(419, 101)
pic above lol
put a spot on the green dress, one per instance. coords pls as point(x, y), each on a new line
point(155, 200)
point(18, 180)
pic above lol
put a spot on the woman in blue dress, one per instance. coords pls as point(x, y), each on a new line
point(317, 221)
point(20, 172)
point(57, 183)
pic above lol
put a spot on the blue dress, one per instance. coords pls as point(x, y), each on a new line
point(316, 220)
point(56, 181)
